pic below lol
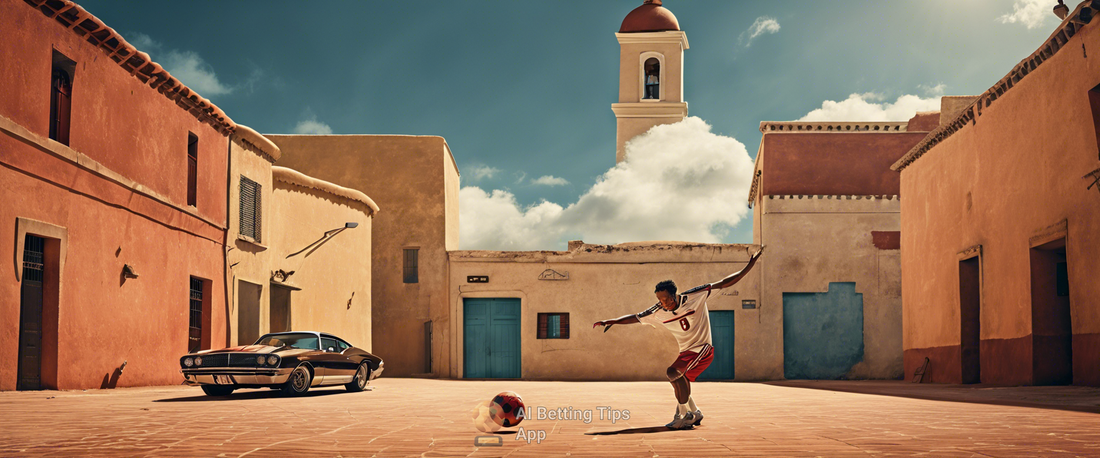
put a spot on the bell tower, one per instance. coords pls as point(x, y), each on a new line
point(651, 73)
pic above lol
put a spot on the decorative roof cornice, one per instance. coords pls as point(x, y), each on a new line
point(832, 127)
point(834, 196)
point(295, 177)
point(755, 187)
point(251, 140)
point(136, 63)
point(969, 115)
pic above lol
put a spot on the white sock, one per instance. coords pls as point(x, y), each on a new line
point(691, 404)
point(681, 409)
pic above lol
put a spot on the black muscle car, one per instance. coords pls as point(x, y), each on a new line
point(290, 361)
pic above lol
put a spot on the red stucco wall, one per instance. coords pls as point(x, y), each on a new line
point(132, 131)
point(834, 163)
point(999, 183)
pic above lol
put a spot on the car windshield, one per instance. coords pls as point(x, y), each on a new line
point(302, 340)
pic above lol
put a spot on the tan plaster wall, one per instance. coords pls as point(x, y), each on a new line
point(606, 282)
point(335, 275)
point(814, 240)
point(249, 261)
point(997, 183)
point(410, 178)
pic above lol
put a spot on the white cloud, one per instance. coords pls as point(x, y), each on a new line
point(186, 66)
point(481, 172)
point(761, 26)
point(937, 90)
point(678, 182)
point(866, 107)
point(312, 126)
point(548, 180)
point(1031, 13)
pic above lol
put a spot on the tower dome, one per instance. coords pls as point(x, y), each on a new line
point(650, 17)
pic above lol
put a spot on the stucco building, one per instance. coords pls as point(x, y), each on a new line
point(1000, 218)
point(826, 205)
point(299, 250)
point(97, 200)
point(414, 179)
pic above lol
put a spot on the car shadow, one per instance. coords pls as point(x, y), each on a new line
point(648, 429)
point(254, 393)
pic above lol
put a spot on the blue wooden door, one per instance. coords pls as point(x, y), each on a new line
point(491, 338)
point(822, 332)
point(721, 332)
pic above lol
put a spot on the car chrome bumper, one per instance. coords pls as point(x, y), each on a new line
point(238, 375)
point(378, 372)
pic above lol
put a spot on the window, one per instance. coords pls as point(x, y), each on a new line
point(328, 344)
point(341, 345)
point(410, 265)
point(61, 96)
point(652, 79)
point(250, 209)
point(192, 168)
point(553, 326)
point(194, 338)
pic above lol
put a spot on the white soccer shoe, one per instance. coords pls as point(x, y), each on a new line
point(698, 417)
point(682, 422)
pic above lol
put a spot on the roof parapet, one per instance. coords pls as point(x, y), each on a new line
point(832, 127)
point(295, 177)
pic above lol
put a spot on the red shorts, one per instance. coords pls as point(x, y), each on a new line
point(691, 363)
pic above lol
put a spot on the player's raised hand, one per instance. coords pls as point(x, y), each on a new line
point(599, 323)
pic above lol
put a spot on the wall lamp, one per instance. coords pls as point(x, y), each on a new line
point(324, 238)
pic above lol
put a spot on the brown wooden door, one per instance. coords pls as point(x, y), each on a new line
point(30, 315)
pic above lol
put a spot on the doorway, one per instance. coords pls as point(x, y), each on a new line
point(248, 312)
point(1051, 321)
point(280, 308)
point(970, 318)
point(30, 314)
point(491, 338)
point(721, 331)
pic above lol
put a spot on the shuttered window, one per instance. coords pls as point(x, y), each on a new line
point(192, 168)
point(61, 97)
point(250, 209)
point(553, 326)
point(411, 273)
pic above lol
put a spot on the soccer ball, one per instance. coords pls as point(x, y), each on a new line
point(507, 409)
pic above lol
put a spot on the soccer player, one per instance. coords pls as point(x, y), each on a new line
point(687, 317)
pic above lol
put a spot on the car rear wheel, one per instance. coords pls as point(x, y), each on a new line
point(362, 378)
point(298, 383)
point(217, 390)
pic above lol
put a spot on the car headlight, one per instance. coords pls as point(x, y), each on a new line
point(188, 362)
point(198, 360)
point(272, 360)
point(260, 360)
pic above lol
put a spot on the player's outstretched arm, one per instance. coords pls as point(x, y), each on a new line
point(734, 278)
point(625, 319)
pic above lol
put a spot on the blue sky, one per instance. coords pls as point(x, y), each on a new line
point(522, 89)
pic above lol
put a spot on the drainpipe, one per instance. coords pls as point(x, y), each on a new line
point(225, 242)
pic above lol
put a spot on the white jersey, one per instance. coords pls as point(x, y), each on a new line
point(689, 322)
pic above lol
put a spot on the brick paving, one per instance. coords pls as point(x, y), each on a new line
point(424, 417)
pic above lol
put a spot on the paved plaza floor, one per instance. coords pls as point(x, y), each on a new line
point(425, 417)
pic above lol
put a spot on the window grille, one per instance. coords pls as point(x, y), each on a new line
point(250, 209)
point(33, 258)
point(195, 322)
point(411, 274)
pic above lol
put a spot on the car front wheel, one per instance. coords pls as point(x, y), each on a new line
point(217, 390)
point(362, 378)
point(298, 383)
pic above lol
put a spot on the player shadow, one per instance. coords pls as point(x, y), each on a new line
point(648, 429)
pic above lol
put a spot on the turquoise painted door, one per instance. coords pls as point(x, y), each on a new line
point(822, 332)
point(721, 333)
point(492, 339)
